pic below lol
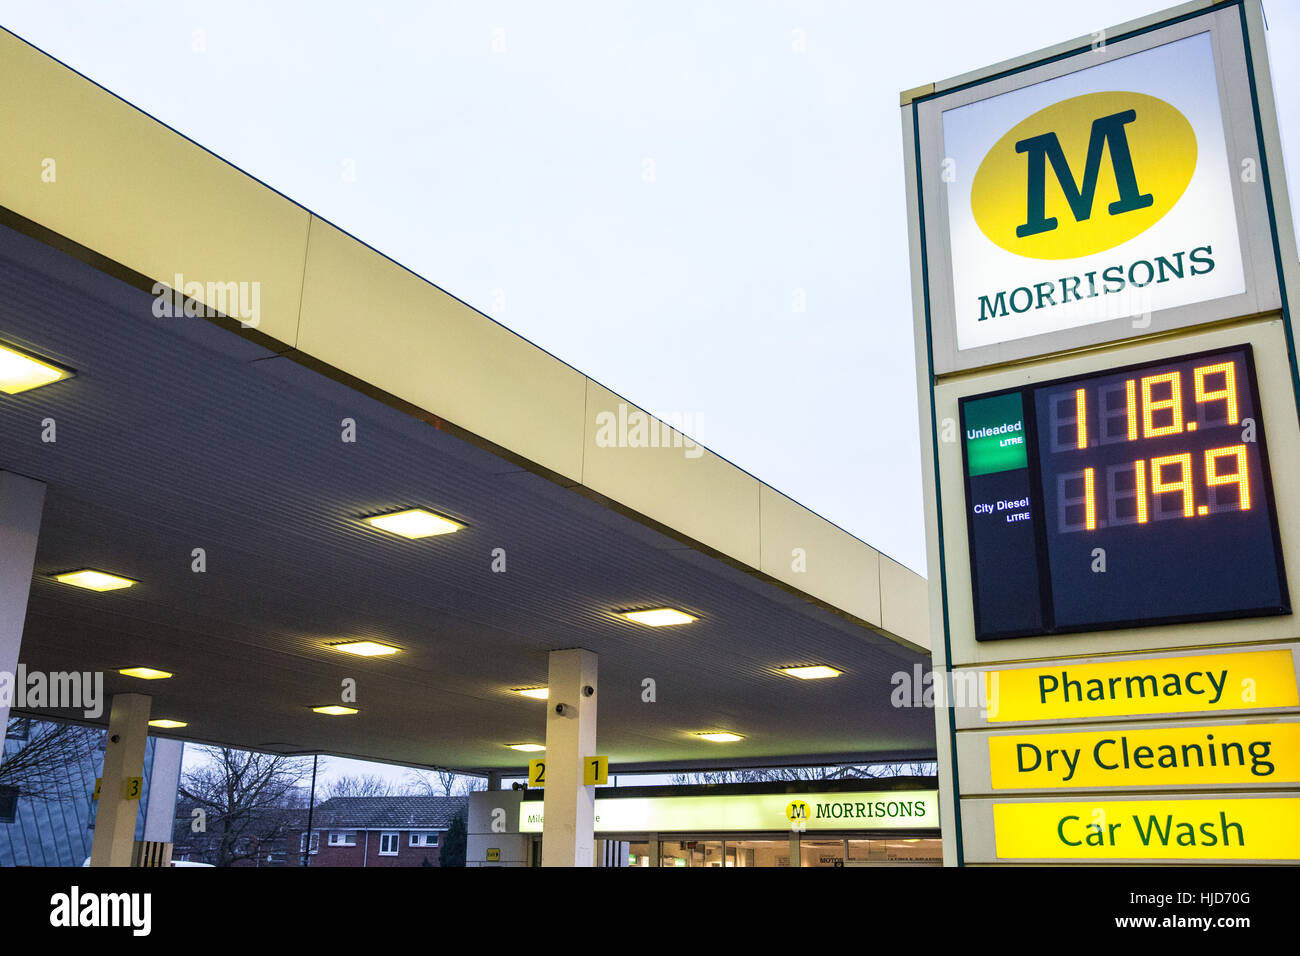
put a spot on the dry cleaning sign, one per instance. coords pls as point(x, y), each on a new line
point(1097, 195)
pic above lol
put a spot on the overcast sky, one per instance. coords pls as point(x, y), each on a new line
point(648, 190)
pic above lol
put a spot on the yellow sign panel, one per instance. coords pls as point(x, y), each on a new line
point(1206, 829)
point(537, 773)
point(1147, 756)
point(494, 855)
point(1156, 685)
point(99, 782)
point(595, 771)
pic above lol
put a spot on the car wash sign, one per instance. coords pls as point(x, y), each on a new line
point(1100, 196)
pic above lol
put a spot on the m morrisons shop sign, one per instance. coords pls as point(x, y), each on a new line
point(757, 812)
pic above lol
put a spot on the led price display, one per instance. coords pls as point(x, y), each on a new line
point(1127, 497)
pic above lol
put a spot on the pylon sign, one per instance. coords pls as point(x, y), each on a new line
point(1102, 251)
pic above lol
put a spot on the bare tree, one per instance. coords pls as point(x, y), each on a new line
point(785, 774)
point(442, 783)
point(247, 799)
point(40, 766)
point(366, 785)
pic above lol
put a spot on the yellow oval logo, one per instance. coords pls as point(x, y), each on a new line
point(797, 811)
point(1084, 175)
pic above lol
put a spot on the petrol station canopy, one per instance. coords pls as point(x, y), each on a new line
point(227, 467)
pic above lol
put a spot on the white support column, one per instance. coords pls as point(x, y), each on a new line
point(128, 727)
point(569, 808)
point(164, 779)
point(21, 501)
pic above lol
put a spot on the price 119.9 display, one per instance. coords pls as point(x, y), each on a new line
point(1128, 497)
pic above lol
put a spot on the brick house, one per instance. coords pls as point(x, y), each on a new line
point(379, 831)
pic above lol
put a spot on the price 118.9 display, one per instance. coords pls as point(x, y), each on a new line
point(1132, 496)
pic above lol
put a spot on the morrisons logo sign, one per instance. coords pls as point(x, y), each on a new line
point(1084, 175)
point(1080, 177)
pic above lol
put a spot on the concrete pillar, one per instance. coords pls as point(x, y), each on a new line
point(128, 728)
point(494, 780)
point(164, 779)
point(21, 501)
point(569, 813)
point(494, 825)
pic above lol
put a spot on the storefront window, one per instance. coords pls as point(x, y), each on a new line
point(821, 852)
point(914, 851)
point(896, 851)
point(758, 852)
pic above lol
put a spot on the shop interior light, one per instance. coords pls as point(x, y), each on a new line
point(364, 648)
point(414, 523)
point(94, 580)
point(335, 710)
point(145, 673)
point(721, 737)
point(811, 672)
point(658, 617)
point(21, 371)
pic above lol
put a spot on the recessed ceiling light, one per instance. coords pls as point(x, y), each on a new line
point(537, 693)
point(144, 673)
point(415, 523)
point(811, 672)
point(94, 580)
point(721, 737)
point(364, 648)
point(335, 710)
point(167, 723)
point(526, 748)
point(20, 371)
point(658, 617)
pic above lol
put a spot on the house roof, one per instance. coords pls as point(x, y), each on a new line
point(373, 813)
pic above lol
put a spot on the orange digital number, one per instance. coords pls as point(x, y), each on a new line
point(1140, 469)
point(1228, 393)
point(1174, 403)
point(1089, 495)
point(1183, 484)
point(1080, 414)
point(1241, 478)
point(1131, 403)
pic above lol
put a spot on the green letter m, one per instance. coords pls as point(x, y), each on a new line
point(1109, 130)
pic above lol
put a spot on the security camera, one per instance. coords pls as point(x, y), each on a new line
point(566, 710)
point(588, 691)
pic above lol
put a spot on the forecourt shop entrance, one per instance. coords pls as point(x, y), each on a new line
point(891, 821)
